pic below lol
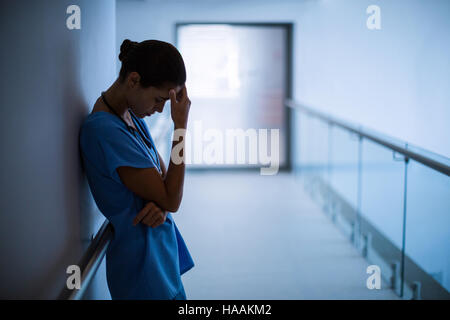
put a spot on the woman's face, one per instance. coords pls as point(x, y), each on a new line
point(146, 101)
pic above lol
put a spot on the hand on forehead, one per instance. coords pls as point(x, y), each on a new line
point(178, 91)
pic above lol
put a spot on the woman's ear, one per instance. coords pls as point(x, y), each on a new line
point(133, 79)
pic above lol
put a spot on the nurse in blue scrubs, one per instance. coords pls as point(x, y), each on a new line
point(128, 179)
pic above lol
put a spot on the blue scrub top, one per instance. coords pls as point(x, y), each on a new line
point(141, 262)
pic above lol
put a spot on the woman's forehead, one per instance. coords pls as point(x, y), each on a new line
point(165, 92)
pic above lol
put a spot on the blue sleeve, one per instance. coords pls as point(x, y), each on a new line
point(120, 148)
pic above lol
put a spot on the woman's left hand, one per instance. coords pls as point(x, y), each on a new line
point(151, 215)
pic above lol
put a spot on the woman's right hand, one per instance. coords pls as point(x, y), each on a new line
point(151, 215)
point(179, 107)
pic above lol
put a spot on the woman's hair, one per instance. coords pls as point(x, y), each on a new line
point(157, 62)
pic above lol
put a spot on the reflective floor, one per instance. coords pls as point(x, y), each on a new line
point(262, 237)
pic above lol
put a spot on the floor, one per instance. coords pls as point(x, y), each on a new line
point(262, 237)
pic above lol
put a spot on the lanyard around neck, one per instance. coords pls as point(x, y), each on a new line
point(130, 128)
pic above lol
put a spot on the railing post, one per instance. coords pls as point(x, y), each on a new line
point(330, 141)
point(367, 243)
point(336, 211)
point(357, 227)
point(395, 269)
point(353, 234)
point(415, 288)
point(402, 275)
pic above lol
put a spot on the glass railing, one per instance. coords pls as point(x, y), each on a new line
point(391, 199)
point(427, 242)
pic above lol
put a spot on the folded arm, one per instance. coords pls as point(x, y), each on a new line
point(165, 190)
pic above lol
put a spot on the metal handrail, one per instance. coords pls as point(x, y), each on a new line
point(431, 163)
point(90, 261)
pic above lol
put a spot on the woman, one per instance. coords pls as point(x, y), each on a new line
point(129, 180)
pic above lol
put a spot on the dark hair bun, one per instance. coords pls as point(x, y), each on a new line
point(158, 63)
point(126, 47)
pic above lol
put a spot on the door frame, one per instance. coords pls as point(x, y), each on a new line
point(288, 27)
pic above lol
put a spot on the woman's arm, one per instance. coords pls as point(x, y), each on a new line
point(151, 215)
point(163, 166)
point(148, 183)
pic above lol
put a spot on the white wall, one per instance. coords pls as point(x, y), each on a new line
point(394, 80)
point(51, 76)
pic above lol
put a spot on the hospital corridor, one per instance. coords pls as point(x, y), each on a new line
point(225, 150)
point(266, 249)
